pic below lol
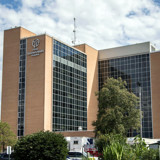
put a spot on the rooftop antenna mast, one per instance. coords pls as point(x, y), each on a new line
point(74, 31)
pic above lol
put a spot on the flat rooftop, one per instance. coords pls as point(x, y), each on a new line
point(124, 51)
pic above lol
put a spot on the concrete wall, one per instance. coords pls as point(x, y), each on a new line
point(134, 49)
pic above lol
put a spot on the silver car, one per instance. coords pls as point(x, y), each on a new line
point(75, 156)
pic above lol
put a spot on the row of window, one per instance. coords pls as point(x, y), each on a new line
point(66, 128)
point(73, 73)
point(69, 78)
point(68, 53)
point(71, 97)
point(129, 58)
point(21, 98)
point(132, 69)
point(76, 82)
point(144, 134)
point(68, 105)
point(60, 46)
point(67, 123)
point(72, 111)
point(72, 58)
point(69, 117)
point(69, 89)
point(71, 85)
point(81, 92)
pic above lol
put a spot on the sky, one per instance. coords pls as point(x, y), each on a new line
point(99, 23)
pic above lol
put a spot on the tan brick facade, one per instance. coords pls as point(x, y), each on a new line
point(38, 91)
point(155, 84)
point(92, 83)
point(38, 113)
point(39, 82)
point(78, 134)
point(10, 76)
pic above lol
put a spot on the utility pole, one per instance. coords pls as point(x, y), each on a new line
point(140, 106)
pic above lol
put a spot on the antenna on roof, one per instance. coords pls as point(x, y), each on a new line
point(74, 31)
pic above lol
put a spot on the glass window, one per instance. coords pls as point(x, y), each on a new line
point(70, 88)
point(132, 69)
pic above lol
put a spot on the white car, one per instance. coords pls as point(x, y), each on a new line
point(75, 156)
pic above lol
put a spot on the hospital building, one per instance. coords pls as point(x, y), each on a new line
point(50, 85)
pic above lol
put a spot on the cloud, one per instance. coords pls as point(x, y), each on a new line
point(31, 3)
point(101, 24)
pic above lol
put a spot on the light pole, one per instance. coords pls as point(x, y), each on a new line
point(140, 105)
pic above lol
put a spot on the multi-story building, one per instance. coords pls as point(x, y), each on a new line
point(133, 64)
point(45, 83)
point(49, 85)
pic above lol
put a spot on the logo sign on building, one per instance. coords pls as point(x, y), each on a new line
point(35, 50)
point(35, 43)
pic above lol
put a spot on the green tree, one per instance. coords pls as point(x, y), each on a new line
point(42, 145)
point(151, 154)
point(117, 112)
point(7, 137)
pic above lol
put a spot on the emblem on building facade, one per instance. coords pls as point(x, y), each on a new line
point(35, 43)
point(35, 51)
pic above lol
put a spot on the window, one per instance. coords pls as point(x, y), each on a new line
point(132, 69)
point(69, 88)
point(75, 142)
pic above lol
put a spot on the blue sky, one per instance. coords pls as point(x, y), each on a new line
point(101, 24)
point(12, 4)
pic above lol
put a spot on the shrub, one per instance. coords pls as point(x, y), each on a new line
point(41, 146)
point(104, 140)
point(114, 147)
point(151, 154)
point(113, 151)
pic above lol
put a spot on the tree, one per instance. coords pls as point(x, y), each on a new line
point(117, 109)
point(7, 137)
point(42, 145)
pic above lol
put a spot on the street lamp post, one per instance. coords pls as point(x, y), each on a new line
point(140, 106)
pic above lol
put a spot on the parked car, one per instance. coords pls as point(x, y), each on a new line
point(5, 156)
point(75, 156)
